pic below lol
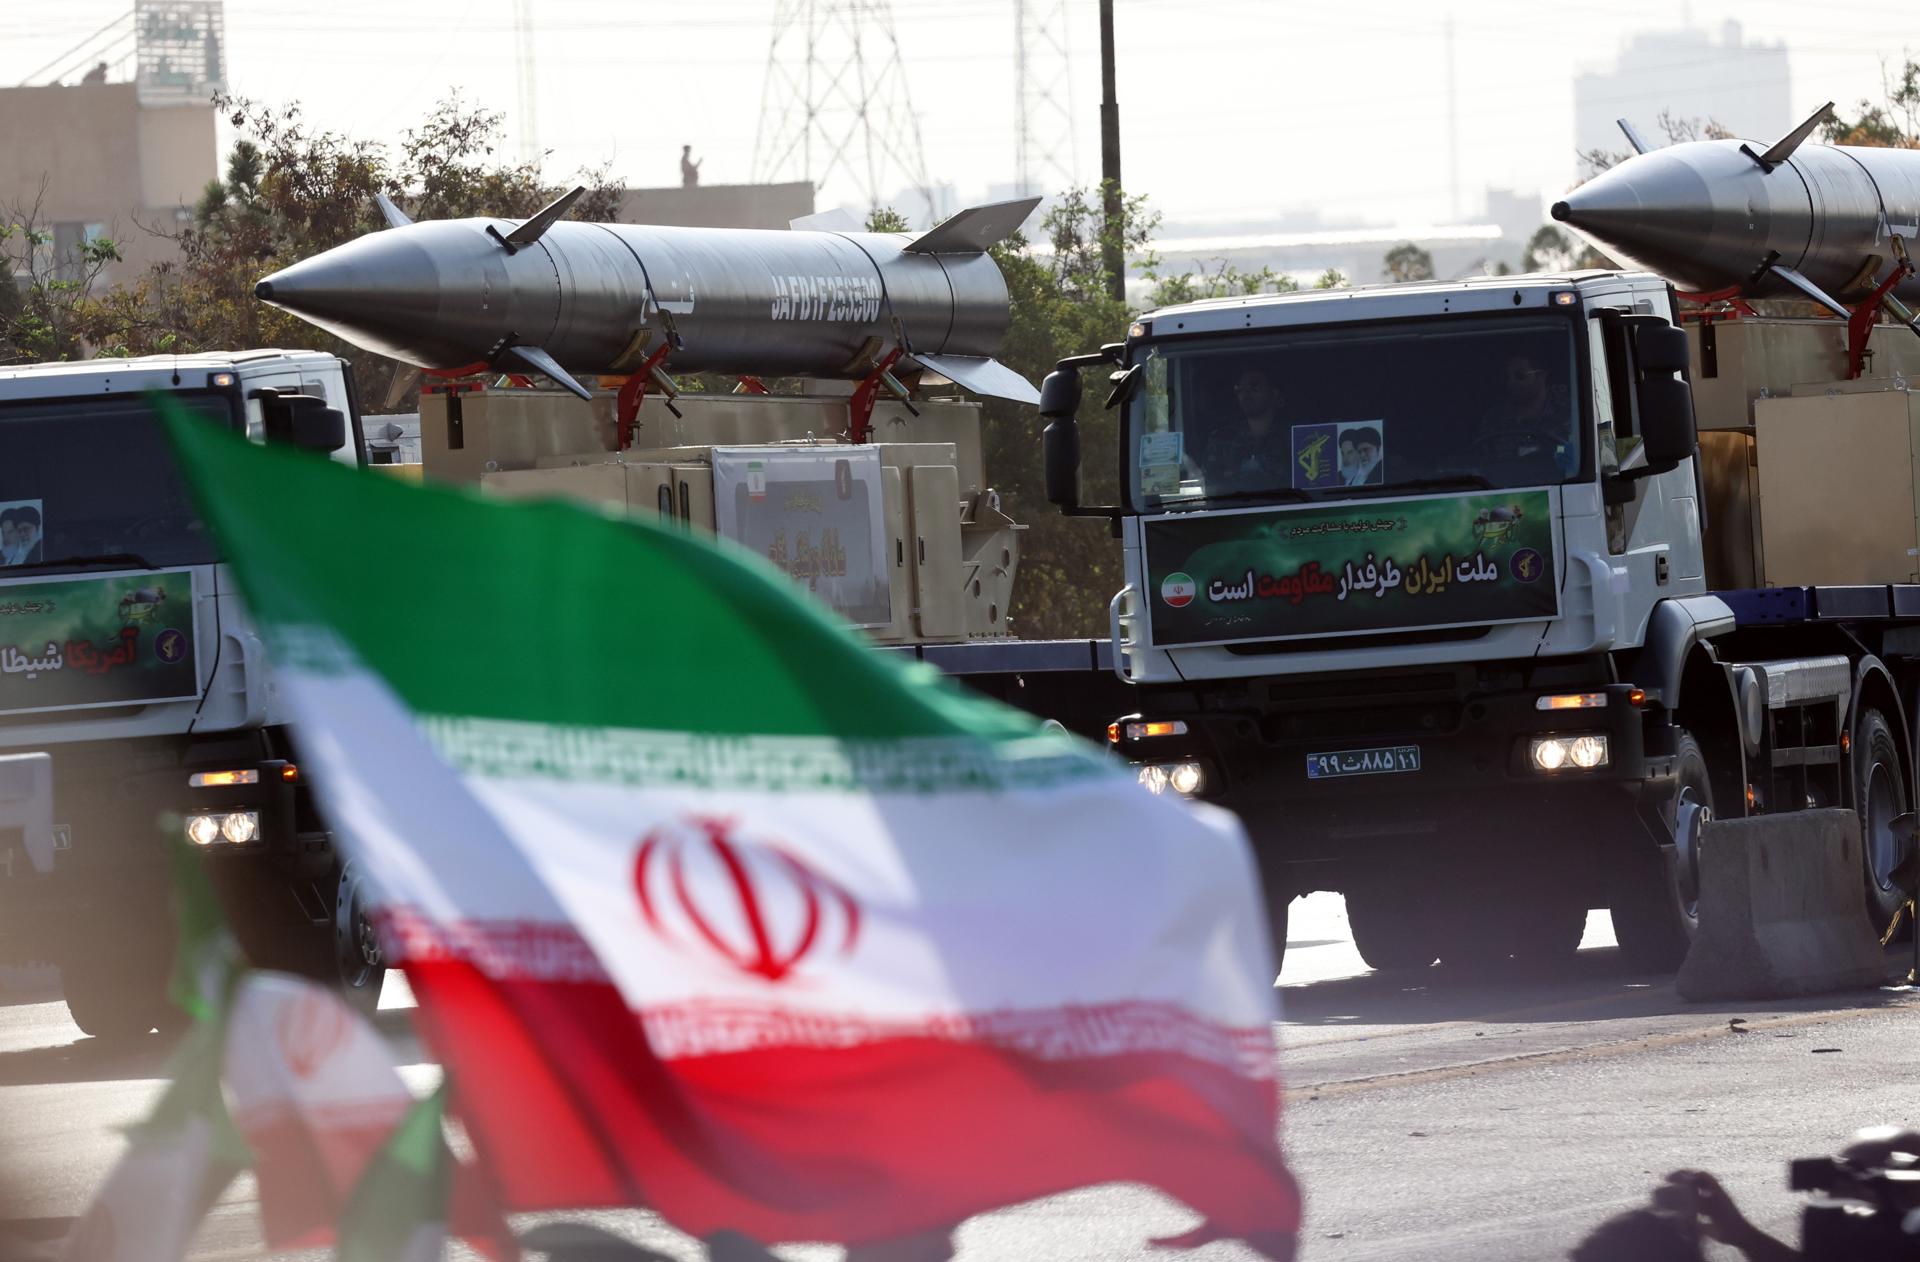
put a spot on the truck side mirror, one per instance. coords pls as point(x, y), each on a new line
point(1060, 441)
point(1666, 404)
point(303, 421)
point(1666, 422)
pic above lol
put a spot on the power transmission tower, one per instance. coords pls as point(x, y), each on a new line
point(523, 57)
point(1045, 155)
point(835, 102)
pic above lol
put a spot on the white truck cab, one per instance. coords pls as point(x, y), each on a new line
point(134, 691)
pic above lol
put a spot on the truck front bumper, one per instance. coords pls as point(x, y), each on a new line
point(1372, 788)
point(115, 811)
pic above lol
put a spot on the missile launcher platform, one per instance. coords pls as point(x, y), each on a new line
point(1810, 477)
point(901, 535)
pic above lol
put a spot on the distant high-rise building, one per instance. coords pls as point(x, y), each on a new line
point(1743, 86)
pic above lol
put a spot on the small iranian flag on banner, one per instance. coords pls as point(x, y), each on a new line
point(712, 908)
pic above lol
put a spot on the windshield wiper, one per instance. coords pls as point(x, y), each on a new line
point(1444, 482)
point(95, 558)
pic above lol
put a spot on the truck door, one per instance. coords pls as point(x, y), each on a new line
point(1653, 536)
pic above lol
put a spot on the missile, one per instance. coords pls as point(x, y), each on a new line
point(1820, 222)
point(559, 297)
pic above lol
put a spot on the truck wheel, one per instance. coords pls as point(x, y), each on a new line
point(1392, 928)
point(1656, 902)
point(111, 996)
point(1277, 926)
point(1879, 794)
point(360, 969)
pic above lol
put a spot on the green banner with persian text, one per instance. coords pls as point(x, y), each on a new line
point(1358, 566)
point(67, 643)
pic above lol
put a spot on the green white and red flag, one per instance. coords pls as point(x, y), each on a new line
point(319, 1101)
point(712, 908)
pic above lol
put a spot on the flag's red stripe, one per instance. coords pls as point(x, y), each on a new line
point(855, 1144)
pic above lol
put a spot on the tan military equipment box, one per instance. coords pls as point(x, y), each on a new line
point(1837, 471)
point(950, 554)
point(1735, 363)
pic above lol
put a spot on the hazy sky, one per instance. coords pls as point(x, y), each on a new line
point(1229, 108)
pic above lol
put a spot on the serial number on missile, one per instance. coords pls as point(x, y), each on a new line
point(855, 299)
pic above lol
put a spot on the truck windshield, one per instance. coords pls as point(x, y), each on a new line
point(1335, 413)
point(90, 479)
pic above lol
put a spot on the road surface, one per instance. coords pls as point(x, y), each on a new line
point(1431, 1116)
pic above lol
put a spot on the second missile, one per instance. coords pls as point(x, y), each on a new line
point(561, 297)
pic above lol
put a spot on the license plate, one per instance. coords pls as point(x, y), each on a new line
point(1384, 760)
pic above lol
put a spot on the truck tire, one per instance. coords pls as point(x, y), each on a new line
point(112, 996)
point(359, 968)
point(1392, 928)
point(1656, 901)
point(1879, 794)
point(1277, 926)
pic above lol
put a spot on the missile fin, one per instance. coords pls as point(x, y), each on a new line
point(982, 376)
point(533, 359)
point(395, 217)
point(405, 377)
point(533, 229)
point(976, 228)
point(839, 219)
point(1633, 136)
point(1807, 287)
point(1783, 148)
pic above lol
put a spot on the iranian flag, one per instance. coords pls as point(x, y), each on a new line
point(710, 907)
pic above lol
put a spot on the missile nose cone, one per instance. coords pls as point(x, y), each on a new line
point(1653, 211)
point(381, 290)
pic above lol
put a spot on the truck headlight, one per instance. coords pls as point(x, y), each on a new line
point(1188, 779)
point(1585, 751)
point(233, 827)
point(241, 827)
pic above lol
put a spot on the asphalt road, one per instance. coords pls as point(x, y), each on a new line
point(1431, 1117)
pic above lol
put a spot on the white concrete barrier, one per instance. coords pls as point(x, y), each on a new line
point(1781, 910)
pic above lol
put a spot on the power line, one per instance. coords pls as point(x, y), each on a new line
point(77, 51)
point(1045, 152)
point(524, 81)
point(835, 101)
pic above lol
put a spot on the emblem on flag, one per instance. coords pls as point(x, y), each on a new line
point(761, 909)
point(1178, 589)
point(311, 1028)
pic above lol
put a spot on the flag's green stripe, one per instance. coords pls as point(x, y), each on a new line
point(548, 612)
point(403, 1187)
point(638, 759)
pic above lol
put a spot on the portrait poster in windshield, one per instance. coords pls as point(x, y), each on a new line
point(70, 643)
point(816, 513)
point(1377, 565)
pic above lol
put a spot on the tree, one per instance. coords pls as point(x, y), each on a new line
point(1677, 131)
point(1332, 278)
point(43, 294)
point(1408, 261)
point(1060, 305)
point(1224, 280)
point(1892, 124)
point(291, 191)
point(1551, 250)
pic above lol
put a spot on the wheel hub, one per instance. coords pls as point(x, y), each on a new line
point(359, 954)
point(1883, 844)
point(1690, 818)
